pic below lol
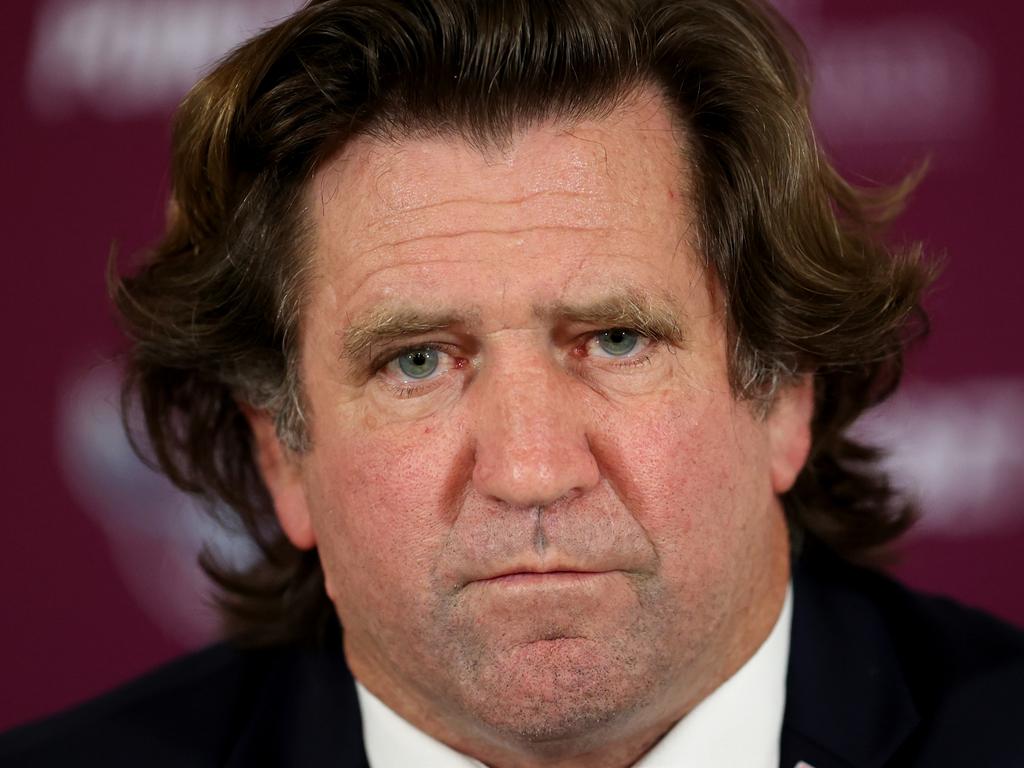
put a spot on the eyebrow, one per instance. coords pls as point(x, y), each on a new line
point(630, 309)
point(390, 324)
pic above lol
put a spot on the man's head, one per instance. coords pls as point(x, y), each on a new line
point(455, 291)
point(540, 509)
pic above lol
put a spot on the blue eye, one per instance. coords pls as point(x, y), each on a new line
point(617, 342)
point(418, 363)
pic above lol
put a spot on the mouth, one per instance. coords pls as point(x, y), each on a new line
point(553, 577)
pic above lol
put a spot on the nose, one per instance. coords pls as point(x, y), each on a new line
point(532, 447)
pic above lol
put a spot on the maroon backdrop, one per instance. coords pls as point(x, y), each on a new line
point(96, 575)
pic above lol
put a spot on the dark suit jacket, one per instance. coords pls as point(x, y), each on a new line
point(878, 676)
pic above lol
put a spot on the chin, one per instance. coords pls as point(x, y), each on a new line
point(560, 692)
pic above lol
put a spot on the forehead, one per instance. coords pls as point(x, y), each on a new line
point(610, 191)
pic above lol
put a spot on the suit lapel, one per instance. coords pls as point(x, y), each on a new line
point(306, 716)
point(847, 704)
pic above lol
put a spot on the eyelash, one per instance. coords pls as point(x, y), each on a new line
point(405, 389)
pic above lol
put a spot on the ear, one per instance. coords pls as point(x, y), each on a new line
point(789, 431)
point(283, 478)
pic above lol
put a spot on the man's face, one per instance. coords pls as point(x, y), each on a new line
point(541, 513)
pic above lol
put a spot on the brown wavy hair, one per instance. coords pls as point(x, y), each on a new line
point(214, 312)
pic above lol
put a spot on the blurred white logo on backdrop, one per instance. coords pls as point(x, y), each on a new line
point(901, 80)
point(122, 58)
point(959, 449)
point(155, 531)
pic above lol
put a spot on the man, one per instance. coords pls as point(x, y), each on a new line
point(523, 339)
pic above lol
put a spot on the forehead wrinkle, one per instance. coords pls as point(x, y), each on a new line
point(390, 323)
point(580, 168)
point(630, 308)
point(444, 236)
point(493, 202)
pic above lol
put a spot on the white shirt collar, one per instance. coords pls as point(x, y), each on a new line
point(740, 723)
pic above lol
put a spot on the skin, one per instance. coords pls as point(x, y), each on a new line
point(542, 553)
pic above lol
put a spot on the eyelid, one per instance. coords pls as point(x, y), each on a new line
point(394, 356)
point(390, 352)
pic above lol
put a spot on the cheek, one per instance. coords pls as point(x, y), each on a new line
point(383, 502)
point(693, 470)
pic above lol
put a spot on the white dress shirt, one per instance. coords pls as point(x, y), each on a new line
point(740, 723)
